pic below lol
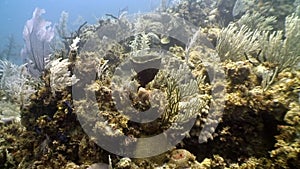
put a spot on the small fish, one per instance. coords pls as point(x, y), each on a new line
point(165, 40)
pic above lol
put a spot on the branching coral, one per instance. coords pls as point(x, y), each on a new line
point(17, 85)
point(62, 26)
point(182, 92)
point(280, 52)
point(233, 42)
point(16, 82)
point(60, 76)
point(257, 21)
point(267, 8)
point(9, 112)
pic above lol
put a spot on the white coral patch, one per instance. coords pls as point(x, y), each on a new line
point(60, 76)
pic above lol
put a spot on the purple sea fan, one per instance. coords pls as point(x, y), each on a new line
point(37, 35)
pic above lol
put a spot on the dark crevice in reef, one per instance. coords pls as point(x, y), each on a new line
point(242, 134)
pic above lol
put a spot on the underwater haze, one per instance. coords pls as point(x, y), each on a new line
point(15, 13)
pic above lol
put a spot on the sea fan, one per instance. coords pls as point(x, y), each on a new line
point(37, 34)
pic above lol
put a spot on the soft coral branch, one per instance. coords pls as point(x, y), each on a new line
point(37, 35)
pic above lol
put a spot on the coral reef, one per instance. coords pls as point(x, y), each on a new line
point(223, 98)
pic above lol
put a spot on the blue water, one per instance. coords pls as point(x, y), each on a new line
point(15, 13)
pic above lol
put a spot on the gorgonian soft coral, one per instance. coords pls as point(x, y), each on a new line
point(37, 35)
